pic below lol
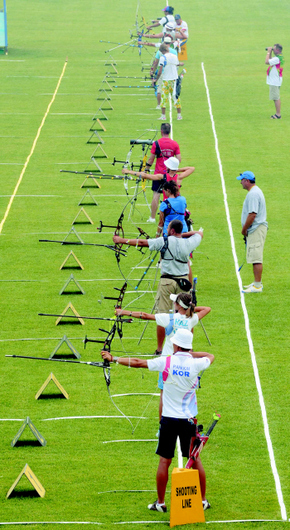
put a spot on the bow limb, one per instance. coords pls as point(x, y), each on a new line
point(128, 158)
point(106, 368)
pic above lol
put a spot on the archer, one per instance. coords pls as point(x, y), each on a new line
point(180, 376)
point(186, 316)
point(174, 249)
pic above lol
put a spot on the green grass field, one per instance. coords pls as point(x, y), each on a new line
point(87, 475)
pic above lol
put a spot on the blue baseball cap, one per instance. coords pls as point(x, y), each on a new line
point(247, 175)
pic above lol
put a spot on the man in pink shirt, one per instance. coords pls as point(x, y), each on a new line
point(161, 150)
point(274, 76)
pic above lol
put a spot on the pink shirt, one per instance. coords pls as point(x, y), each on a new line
point(169, 179)
point(168, 148)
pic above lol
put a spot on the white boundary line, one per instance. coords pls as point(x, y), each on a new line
point(32, 150)
point(140, 522)
point(79, 418)
point(93, 418)
point(127, 441)
point(246, 316)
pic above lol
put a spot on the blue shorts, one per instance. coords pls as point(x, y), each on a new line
point(157, 185)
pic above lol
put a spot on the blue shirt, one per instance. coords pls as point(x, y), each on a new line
point(177, 210)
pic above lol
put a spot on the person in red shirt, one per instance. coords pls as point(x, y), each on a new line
point(161, 150)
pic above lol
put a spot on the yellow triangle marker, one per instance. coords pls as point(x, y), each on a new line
point(32, 479)
point(71, 253)
point(70, 306)
point(87, 182)
point(88, 219)
point(52, 377)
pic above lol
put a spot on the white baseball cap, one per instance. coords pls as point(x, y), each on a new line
point(183, 338)
point(172, 163)
point(173, 297)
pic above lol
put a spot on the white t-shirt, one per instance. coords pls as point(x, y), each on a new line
point(170, 63)
point(274, 78)
point(167, 19)
point(179, 390)
point(182, 27)
point(179, 322)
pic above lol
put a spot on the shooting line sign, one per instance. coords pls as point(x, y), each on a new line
point(186, 502)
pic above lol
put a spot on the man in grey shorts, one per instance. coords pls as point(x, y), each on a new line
point(254, 228)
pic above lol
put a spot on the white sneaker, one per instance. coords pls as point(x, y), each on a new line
point(151, 220)
point(163, 118)
point(157, 507)
point(158, 107)
point(179, 117)
point(205, 504)
point(247, 286)
point(253, 289)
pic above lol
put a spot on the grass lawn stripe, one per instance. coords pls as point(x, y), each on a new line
point(32, 150)
point(246, 316)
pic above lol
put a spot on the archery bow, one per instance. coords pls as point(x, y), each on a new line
point(128, 157)
point(194, 301)
point(107, 347)
point(119, 231)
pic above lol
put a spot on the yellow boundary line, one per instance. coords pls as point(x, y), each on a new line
point(32, 150)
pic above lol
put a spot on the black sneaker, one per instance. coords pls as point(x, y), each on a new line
point(157, 507)
point(205, 504)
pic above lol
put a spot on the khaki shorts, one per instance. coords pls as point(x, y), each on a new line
point(255, 244)
point(159, 84)
point(274, 92)
point(166, 287)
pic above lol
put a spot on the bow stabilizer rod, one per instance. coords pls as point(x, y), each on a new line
point(120, 251)
point(122, 320)
point(91, 363)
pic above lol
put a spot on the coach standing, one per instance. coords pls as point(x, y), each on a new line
point(254, 228)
